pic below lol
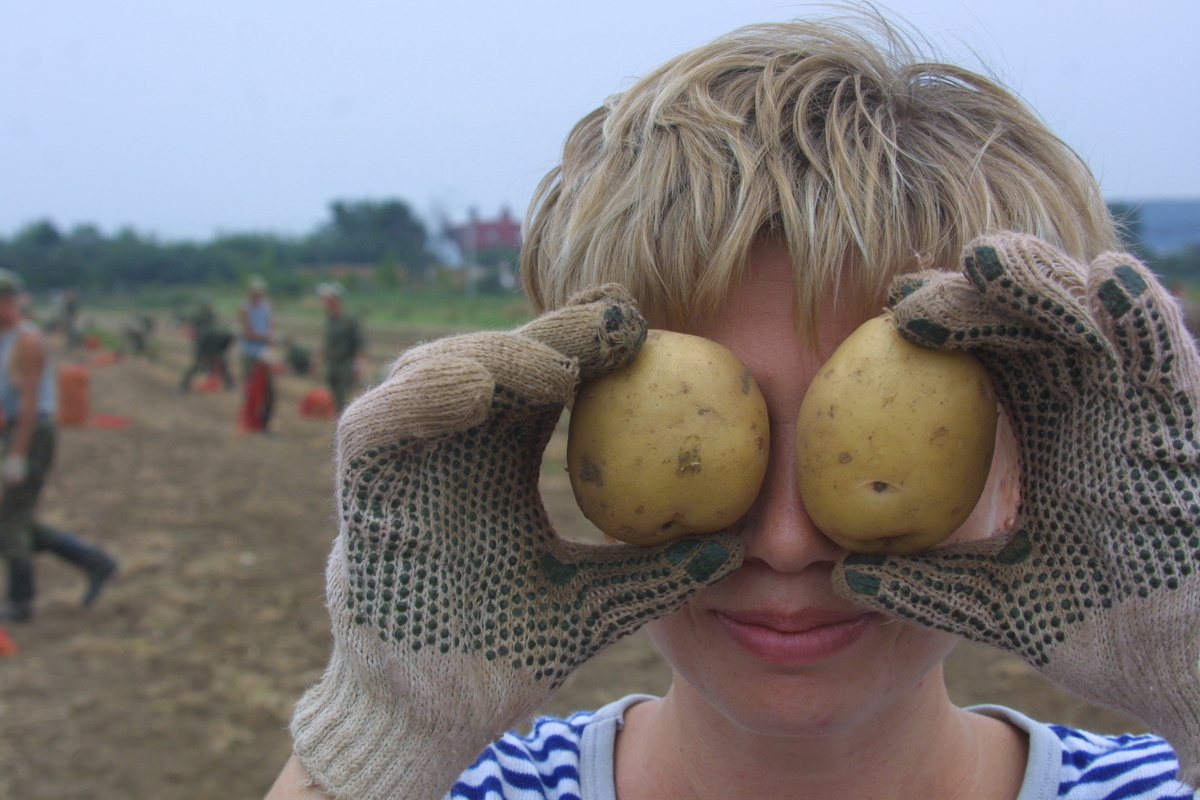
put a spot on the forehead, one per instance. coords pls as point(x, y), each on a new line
point(765, 298)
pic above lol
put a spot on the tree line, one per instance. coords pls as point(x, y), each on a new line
point(361, 232)
point(377, 233)
point(1177, 268)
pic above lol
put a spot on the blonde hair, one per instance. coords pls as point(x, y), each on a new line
point(830, 135)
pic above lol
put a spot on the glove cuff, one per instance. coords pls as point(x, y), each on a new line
point(1174, 715)
point(357, 742)
point(1159, 686)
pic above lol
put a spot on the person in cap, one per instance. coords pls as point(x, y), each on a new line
point(28, 403)
point(343, 344)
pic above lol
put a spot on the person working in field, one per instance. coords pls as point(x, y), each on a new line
point(210, 343)
point(342, 347)
point(256, 324)
point(770, 191)
point(28, 403)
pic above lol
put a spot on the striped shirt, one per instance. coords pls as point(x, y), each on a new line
point(572, 759)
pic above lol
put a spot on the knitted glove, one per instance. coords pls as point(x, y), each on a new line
point(1097, 585)
point(456, 609)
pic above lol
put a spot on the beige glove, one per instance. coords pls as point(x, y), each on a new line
point(457, 611)
point(1098, 585)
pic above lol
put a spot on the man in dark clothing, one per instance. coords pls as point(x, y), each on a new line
point(210, 343)
point(344, 344)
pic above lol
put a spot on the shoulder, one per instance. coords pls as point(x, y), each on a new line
point(542, 763)
point(1127, 766)
point(29, 334)
point(1072, 764)
point(29, 341)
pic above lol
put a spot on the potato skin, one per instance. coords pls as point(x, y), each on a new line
point(675, 443)
point(894, 442)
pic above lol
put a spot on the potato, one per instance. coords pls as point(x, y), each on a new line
point(675, 443)
point(894, 442)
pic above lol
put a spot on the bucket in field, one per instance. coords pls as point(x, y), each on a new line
point(318, 403)
point(73, 394)
point(104, 358)
point(210, 383)
point(7, 646)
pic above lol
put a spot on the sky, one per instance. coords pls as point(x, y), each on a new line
point(186, 119)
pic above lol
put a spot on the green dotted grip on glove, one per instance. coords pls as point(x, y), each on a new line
point(1097, 584)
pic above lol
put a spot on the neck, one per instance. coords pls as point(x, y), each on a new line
point(920, 747)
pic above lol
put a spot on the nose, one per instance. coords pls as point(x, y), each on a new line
point(777, 530)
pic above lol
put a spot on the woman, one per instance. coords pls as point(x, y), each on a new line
point(764, 191)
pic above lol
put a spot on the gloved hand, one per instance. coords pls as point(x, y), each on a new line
point(1097, 585)
point(457, 610)
point(14, 469)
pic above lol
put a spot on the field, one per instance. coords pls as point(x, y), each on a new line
point(180, 680)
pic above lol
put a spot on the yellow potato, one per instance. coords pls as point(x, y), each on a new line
point(894, 442)
point(676, 443)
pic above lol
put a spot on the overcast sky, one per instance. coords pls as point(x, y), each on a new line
point(186, 118)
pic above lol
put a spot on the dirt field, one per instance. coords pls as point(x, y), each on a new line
point(179, 682)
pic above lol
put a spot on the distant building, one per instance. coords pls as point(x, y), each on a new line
point(484, 234)
point(488, 249)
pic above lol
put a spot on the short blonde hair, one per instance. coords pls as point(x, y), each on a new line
point(831, 135)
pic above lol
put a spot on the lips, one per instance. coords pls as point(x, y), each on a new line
point(795, 639)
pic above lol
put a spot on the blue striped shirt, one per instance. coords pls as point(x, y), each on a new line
point(572, 759)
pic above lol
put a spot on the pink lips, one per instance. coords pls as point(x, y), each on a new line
point(794, 639)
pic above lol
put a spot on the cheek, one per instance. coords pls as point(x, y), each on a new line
point(670, 634)
point(913, 656)
point(688, 645)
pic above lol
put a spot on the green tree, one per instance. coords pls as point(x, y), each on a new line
point(367, 232)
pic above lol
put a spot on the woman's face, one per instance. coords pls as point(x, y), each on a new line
point(772, 647)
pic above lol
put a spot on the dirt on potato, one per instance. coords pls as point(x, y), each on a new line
point(180, 680)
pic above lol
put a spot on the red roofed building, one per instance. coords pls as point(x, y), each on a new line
point(489, 247)
point(478, 235)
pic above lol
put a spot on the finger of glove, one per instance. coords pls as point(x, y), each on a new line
point(426, 399)
point(965, 589)
point(1030, 295)
point(945, 311)
point(600, 328)
point(620, 587)
point(535, 372)
point(949, 313)
point(1144, 323)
